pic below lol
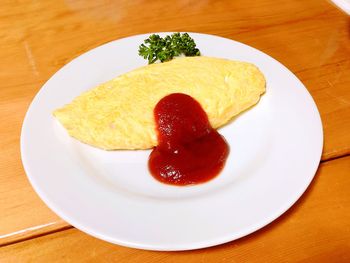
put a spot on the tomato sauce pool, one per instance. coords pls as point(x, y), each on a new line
point(189, 150)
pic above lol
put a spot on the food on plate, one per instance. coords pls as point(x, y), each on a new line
point(189, 150)
point(118, 114)
point(156, 48)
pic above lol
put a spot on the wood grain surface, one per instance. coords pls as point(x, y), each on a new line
point(38, 37)
point(315, 229)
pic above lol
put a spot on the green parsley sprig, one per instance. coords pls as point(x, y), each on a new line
point(164, 49)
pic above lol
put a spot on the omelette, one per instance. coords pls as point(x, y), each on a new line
point(118, 114)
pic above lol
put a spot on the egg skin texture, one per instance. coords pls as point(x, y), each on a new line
point(118, 114)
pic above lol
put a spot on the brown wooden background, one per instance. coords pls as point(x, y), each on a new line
point(312, 38)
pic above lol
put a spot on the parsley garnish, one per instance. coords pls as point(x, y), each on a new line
point(157, 48)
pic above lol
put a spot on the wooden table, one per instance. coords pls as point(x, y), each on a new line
point(312, 38)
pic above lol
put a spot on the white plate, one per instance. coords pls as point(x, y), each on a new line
point(275, 149)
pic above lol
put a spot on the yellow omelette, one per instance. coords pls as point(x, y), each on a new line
point(118, 114)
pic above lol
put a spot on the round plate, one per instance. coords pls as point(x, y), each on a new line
point(275, 149)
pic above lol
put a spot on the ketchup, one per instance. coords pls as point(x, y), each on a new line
point(189, 150)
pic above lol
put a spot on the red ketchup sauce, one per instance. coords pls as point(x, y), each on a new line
point(189, 150)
